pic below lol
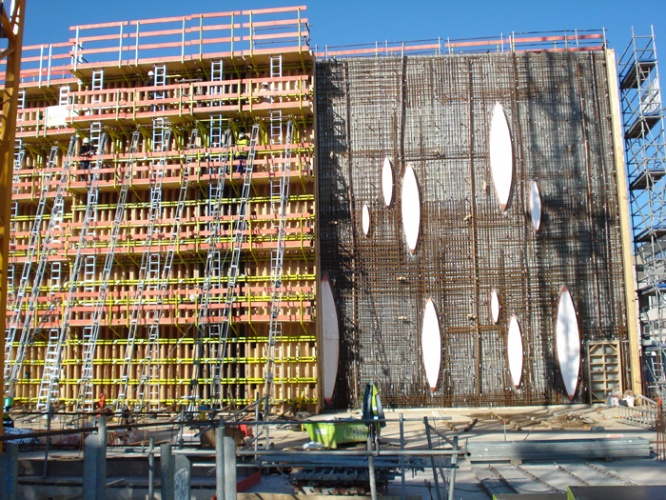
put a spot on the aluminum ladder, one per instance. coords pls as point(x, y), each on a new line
point(95, 135)
point(149, 377)
point(19, 157)
point(213, 260)
point(53, 229)
point(239, 228)
point(48, 388)
point(20, 105)
point(63, 96)
point(216, 121)
point(160, 81)
point(160, 128)
point(275, 114)
point(91, 333)
point(33, 246)
point(96, 85)
point(147, 270)
point(279, 201)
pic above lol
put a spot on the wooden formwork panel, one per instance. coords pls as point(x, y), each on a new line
point(604, 370)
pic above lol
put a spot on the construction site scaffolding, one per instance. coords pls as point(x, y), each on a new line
point(645, 152)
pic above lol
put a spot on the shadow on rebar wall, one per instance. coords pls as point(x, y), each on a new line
point(334, 216)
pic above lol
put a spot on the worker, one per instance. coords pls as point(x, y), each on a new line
point(126, 417)
point(264, 93)
point(85, 153)
point(241, 152)
point(150, 82)
point(6, 419)
point(9, 402)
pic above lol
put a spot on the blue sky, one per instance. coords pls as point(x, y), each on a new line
point(342, 22)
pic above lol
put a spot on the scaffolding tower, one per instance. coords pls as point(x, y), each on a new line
point(643, 119)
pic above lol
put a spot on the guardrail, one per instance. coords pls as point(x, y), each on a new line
point(550, 41)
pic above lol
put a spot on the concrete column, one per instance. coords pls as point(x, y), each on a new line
point(628, 262)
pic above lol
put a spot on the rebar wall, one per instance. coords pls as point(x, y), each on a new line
point(434, 114)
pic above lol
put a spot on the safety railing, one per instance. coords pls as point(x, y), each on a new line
point(551, 41)
point(289, 93)
point(241, 33)
point(222, 34)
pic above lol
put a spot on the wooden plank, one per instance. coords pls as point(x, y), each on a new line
point(275, 10)
point(114, 24)
point(272, 24)
point(274, 36)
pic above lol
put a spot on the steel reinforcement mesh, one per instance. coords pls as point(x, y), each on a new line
point(434, 114)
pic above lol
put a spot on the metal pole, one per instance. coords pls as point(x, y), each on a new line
point(229, 469)
point(219, 461)
point(432, 459)
point(47, 443)
point(256, 425)
point(454, 461)
point(167, 470)
point(9, 471)
point(402, 459)
point(371, 463)
point(90, 463)
point(101, 459)
point(151, 469)
point(182, 478)
point(267, 427)
point(181, 428)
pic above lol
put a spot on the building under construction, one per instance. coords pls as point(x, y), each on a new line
point(163, 216)
point(172, 223)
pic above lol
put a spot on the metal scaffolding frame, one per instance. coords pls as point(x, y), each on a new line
point(238, 229)
point(645, 151)
point(223, 162)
